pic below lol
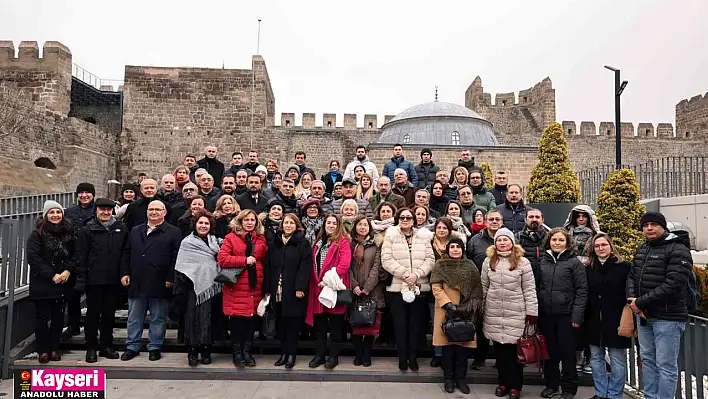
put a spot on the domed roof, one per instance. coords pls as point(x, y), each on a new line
point(438, 123)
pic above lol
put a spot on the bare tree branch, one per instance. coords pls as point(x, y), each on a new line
point(15, 110)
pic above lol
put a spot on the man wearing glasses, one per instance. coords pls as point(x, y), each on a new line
point(189, 191)
point(148, 271)
point(468, 205)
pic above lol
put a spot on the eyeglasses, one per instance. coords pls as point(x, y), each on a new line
point(475, 178)
point(405, 218)
point(603, 245)
point(494, 219)
point(465, 194)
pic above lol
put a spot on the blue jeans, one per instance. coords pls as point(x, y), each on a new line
point(659, 343)
point(608, 386)
point(137, 310)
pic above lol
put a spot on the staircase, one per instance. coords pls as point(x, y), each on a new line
point(530, 119)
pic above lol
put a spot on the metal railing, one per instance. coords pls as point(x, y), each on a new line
point(92, 80)
point(18, 216)
point(659, 178)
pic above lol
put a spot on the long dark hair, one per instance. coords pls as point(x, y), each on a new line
point(62, 231)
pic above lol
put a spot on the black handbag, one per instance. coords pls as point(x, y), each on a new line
point(229, 275)
point(458, 330)
point(344, 297)
point(362, 313)
point(268, 326)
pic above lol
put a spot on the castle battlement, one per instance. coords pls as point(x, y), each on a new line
point(643, 130)
point(329, 121)
point(55, 56)
point(476, 96)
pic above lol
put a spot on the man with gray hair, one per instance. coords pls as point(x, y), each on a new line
point(349, 192)
point(167, 192)
point(318, 188)
point(212, 165)
point(384, 193)
point(403, 187)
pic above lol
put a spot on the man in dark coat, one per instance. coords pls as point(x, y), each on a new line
point(253, 198)
point(466, 161)
point(212, 165)
point(656, 289)
point(228, 187)
point(531, 239)
point(300, 158)
point(426, 169)
point(137, 211)
point(148, 265)
point(500, 187)
point(98, 261)
point(78, 215)
point(208, 190)
point(189, 192)
point(513, 209)
point(168, 192)
point(286, 196)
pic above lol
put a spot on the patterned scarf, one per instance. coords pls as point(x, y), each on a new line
point(312, 228)
point(380, 226)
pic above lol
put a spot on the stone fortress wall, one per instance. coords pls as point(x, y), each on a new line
point(169, 112)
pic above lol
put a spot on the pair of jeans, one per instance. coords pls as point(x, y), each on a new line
point(437, 350)
point(659, 343)
point(510, 371)
point(137, 310)
point(49, 321)
point(608, 385)
point(101, 303)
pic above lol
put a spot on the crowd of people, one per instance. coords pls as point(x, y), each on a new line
point(220, 249)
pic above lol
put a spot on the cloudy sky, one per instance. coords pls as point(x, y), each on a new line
point(384, 56)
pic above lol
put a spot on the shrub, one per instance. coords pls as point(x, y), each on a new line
point(619, 211)
point(552, 179)
point(487, 173)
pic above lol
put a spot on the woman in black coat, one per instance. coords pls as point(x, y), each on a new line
point(333, 176)
point(607, 277)
point(50, 249)
point(288, 278)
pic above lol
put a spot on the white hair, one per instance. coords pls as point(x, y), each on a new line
point(402, 170)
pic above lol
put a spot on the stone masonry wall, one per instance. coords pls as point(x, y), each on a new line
point(692, 118)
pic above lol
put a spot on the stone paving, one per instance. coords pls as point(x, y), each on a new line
point(152, 389)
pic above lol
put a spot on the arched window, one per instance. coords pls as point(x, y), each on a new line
point(45, 163)
point(455, 136)
point(407, 139)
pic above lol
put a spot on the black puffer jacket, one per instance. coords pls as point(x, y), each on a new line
point(532, 243)
point(477, 247)
point(563, 286)
point(514, 217)
point(99, 253)
point(658, 278)
point(426, 174)
point(606, 300)
point(79, 216)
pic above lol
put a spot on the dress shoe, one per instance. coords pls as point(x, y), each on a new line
point(44, 358)
point(366, 361)
point(413, 364)
point(128, 355)
point(290, 362)
point(477, 365)
point(70, 332)
point(463, 387)
point(317, 361)
point(56, 356)
point(357, 361)
point(403, 365)
point(501, 391)
point(91, 356)
point(514, 394)
point(280, 361)
point(449, 386)
point(192, 356)
point(155, 355)
point(206, 354)
point(549, 392)
point(331, 362)
point(108, 353)
point(435, 362)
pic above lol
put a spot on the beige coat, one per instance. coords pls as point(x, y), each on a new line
point(509, 296)
point(445, 294)
point(400, 262)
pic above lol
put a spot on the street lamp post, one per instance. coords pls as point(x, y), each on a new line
point(619, 88)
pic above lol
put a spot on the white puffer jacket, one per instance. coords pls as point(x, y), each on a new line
point(400, 262)
point(509, 296)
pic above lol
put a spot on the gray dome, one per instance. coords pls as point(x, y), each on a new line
point(438, 123)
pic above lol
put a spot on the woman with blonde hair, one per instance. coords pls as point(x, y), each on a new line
point(510, 304)
point(244, 247)
point(349, 211)
point(459, 177)
point(181, 174)
point(365, 188)
point(226, 209)
point(302, 190)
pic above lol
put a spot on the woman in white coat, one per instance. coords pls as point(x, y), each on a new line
point(407, 254)
point(510, 303)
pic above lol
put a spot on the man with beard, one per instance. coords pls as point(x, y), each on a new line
point(532, 237)
point(363, 160)
point(212, 165)
point(500, 187)
point(483, 198)
point(236, 164)
point(252, 163)
point(241, 177)
point(286, 196)
point(208, 189)
point(167, 192)
point(189, 192)
point(228, 187)
point(426, 169)
point(253, 198)
point(465, 161)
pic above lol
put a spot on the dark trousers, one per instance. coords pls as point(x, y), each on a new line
point(482, 351)
point(363, 345)
point(101, 303)
point(335, 324)
point(510, 371)
point(242, 329)
point(288, 330)
point(560, 338)
point(49, 321)
point(408, 325)
point(74, 311)
point(454, 362)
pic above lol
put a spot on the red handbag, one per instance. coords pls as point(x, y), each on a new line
point(532, 347)
point(370, 331)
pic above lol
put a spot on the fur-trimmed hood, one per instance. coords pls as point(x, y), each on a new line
point(594, 224)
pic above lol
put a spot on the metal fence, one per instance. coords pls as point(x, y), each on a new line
point(664, 177)
point(18, 216)
point(93, 80)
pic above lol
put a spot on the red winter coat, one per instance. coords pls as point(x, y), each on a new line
point(239, 298)
point(339, 257)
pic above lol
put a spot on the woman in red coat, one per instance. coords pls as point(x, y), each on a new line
point(244, 247)
point(332, 250)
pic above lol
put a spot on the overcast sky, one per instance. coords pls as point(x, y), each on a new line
point(384, 56)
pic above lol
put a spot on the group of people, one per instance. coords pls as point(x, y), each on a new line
point(219, 248)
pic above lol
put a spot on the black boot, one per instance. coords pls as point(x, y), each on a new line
point(237, 355)
point(448, 369)
point(206, 354)
point(358, 349)
point(91, 356)
point(333, 359)
point(281, 360)
point(193, 356)
point(249, 361)
point(317, 361)
point(460, 371)
point(368, 346)
point(290, 361)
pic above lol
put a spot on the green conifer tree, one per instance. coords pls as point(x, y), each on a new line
point(552, 179)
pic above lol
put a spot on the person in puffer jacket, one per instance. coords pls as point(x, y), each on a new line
point(562, 296)
point(510, 304)
point(398, 161)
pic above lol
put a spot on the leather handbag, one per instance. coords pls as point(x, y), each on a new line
point(458, 330)
point(344, 297)
point(268, 326)
point(362, 313)
point(370, 331)
point(229, 275)
point(532, 347)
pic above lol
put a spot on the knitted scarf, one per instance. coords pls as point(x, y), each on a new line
point(581, 235)
point(461, 275)
point(196, 259)
point(56, 238)
point(312, 228)
point(381, 225)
